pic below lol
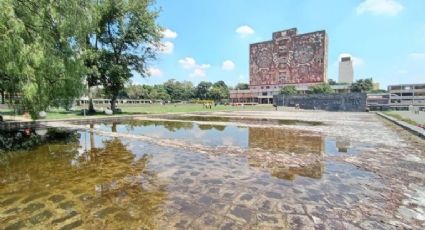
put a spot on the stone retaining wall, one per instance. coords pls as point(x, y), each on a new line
point(353, 102)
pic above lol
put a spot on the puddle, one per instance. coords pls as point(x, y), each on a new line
point(269, 139)
point(109, 182)
point(242, 120)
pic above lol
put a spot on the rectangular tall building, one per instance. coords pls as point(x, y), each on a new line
point(289, 59)
point(345, 70)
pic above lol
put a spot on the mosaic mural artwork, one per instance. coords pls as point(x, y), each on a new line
point(289, 59)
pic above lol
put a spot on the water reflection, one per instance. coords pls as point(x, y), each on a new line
point(116, 183)
point(27, 138)
point(269, 139)
point(89, 185)
point(285, 140)
point(242, 120)
point(315, 171)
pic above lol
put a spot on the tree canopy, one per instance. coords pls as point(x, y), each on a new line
point(320, 88)
point(288, 90)
point(40, 63)
point(49, 48)
point(242, 86)
point(362, 85)
point(126, 35)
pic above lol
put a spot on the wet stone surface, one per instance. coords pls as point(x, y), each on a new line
point(353, 172)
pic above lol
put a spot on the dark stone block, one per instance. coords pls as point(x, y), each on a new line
point(34, 207)
point(68, 205)
point(9, 201)
point(41, 217)
point(72, 225)
point(242, 212)
point(86, 197)
point(106, 211)
point(274, 195)
point(123, 216)
point(350, 102)
point(56, 198)
point(16, 226)
point(11, 210)
point(60, 220)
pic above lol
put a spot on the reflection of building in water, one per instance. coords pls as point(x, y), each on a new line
point(284, 140)
point(312, 170)
point(287, 141)
point(343, 146)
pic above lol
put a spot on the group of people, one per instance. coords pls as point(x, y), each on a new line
point(207, 105)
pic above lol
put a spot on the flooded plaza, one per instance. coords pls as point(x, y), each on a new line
point(222, 170)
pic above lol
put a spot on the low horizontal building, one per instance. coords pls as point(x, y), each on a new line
point(404, 95)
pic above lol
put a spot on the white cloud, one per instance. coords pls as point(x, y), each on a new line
point(197, 69)
point(228, 65)
point(187, 63)
point(198, 72)
point(167, 33)
point(356, 60)
point(166, 47)
point(244, 31)
point(205, 66)
point(417, 56)
point(154, 72)
point(380, 7)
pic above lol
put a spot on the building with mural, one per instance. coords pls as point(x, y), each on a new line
point(288, 59)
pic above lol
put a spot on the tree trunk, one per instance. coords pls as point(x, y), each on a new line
point(91, 106)
point(114, 127)
point(92, 142)
point(2, 97)
point(113, 104)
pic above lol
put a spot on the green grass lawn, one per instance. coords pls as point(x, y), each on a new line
point(399, 116)
point(151, 109)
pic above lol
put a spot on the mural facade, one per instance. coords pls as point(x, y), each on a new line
point(289, 59)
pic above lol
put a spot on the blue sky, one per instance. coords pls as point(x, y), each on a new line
point(208, 40)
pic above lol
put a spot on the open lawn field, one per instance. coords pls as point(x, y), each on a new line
point(150, 109)
point(408, 116)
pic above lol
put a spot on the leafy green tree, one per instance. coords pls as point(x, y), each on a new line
point(202, 89)
point(179, 90)
point(321, 88)
point(362, 85)
point(127, 33)
point(288, 90)
point(139, 91)
point(332, 82)
point(242, 86)
point(218, 91)
point(159, 92)
point(221, 84)
point(41, 43)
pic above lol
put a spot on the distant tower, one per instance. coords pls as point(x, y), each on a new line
point(345, 70)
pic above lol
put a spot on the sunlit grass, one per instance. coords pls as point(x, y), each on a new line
point(60, 114)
